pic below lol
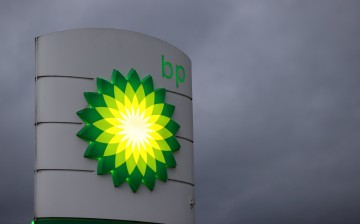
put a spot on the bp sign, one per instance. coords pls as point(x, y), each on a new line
point(122, 100)
point(129, 130)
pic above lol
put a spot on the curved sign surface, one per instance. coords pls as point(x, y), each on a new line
point(124, 101)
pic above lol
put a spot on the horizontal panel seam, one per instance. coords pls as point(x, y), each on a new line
point(87, 78)
point(57, 122)
point(92, 171)
point(71, 170)
point(187, 139)
point(180, 94)
point(63, 76)
point(182, 182)
point(71, 219)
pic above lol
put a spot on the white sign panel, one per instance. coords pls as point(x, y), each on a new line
point(114, 130)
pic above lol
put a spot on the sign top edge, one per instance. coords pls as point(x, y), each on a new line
point(113, 30)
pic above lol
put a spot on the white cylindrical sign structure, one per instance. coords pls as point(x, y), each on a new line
point(114, 129)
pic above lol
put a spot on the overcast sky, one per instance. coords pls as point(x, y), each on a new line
point(276, 95)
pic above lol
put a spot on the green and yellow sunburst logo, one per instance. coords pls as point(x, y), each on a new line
point(129, 129)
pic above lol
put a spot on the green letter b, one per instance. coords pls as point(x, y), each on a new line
point(163, 66)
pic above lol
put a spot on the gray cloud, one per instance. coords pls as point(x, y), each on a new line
point(276, 103)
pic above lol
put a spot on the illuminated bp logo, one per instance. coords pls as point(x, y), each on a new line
point(129, 129)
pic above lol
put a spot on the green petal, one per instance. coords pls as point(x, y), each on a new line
point(161, 172)
point(129, 92)
point(106, 164)
point(172, 126)
point(141, 165)
point(119, 94)
point(104, 137)
point(110, 102)
point(148, 85)
point(119, 175)
point(168, 110)
point(89, 133)
point(104, 112)
point(169, 158)
point(133, 79)
point(120, 159)
point(119, 80)
point(94, 99)
point(159, 156)
point(159, 96)
point(165, 133)
point(173, 143)
point(140, 93)
point(102, 125)
point(95, 150)
point(89, 115)
point(163, 144)
point(135, 179)
point(158, 109)
point(130, 165)
point(162, 120)
point(150, 99)
point(151, 163)
point(110, 150)
point(149, 179)
point(105, 87)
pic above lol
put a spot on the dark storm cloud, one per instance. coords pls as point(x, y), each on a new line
point(276, 101)
point(287, 111)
